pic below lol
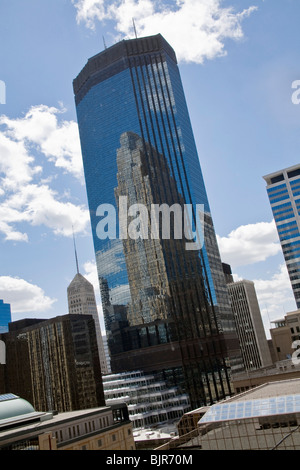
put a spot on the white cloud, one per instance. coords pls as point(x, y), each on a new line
point(26, 195)
point(249, 244)
point(275, 296)
point(23, 296)
point(197, 30)
point(90, 273)
point(58, 141)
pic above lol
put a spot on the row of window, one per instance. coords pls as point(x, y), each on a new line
point(81, 429)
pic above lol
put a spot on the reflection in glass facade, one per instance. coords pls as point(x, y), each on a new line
point(283, 189)
point(5, 316)
point(166, 308)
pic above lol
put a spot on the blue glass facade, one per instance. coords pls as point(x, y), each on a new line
point(5, 316)
point(283, 189)
point(137, 144)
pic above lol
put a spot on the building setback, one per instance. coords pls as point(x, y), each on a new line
point(283, 188)
point(54, 364)
point(166, 308)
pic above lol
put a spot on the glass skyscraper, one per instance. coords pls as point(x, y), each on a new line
point(5, 316)
point(283, 188)
point(166, 306)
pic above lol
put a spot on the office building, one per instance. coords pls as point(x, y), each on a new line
point(82, 301)
point(24, 428)
point(249, 325)
point(53, 364)
point(165, 303)
point(150, 401)
point(283, 188)
point(5, 316)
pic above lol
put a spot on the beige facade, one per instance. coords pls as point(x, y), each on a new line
point(120, 438)
point(105, 428)
point(284, 335)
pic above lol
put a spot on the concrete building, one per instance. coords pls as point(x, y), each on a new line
point(249, 325)
point(23, 428)
point(283, 188)
point(82, 301)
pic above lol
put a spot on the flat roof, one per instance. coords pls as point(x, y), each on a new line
point(269, 399)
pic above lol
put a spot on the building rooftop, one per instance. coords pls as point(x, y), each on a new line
point(277, 176)
point(117, 56)
point(272, 398)
point(12, 406)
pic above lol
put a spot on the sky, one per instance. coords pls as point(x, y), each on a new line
point(238, 62)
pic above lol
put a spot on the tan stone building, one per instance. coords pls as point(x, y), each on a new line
point(285, 332)
point(103, 428)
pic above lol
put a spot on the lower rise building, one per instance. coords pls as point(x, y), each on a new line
point(102, 428)
point(149, 399)
point(54, 364)
point(286, 335)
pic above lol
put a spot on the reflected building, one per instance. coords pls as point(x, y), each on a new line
point(166, 307)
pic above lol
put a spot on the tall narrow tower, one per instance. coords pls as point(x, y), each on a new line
point(166, 308)
point(82, 301)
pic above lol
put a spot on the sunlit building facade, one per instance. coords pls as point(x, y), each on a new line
point(283, 188)
point(165, 305)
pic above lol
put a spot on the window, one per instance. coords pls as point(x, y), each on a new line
point(114, 437)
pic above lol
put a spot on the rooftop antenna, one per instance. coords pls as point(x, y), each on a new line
point(104, 42)
point(134, 28)
point(75, 251)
